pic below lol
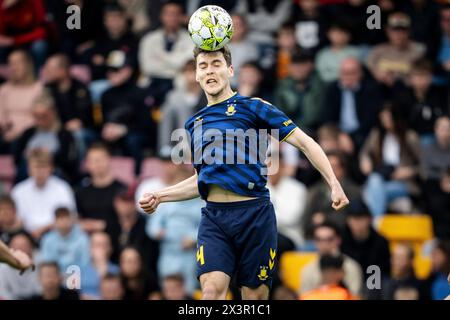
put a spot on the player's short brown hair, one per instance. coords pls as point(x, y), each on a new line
point(99, 146)
point(422, 66)
point(225, 51)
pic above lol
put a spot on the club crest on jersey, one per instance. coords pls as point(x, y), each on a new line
point(263, 273)
point(231, 110)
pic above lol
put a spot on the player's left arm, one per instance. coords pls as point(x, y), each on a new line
point(15, 258)
point(317, 156)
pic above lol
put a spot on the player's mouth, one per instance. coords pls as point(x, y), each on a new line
point(211, 81)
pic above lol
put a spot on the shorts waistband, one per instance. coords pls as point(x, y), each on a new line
point(237, 204)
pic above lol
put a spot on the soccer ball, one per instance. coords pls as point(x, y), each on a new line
point(210, 28)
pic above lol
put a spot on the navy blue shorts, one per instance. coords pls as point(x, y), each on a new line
point(239, 239)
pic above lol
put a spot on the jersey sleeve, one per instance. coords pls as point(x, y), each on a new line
point(270, 118)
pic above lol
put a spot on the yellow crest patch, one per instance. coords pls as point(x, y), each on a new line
point(263, 273)
point(231, 110)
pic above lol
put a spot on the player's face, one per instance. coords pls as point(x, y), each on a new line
point(212, 73)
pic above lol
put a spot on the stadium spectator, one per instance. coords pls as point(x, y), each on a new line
point(114, 53)
point(264, 17)
point(111, 287)
point(137, 14)
point(72, 100)
point(424, 24)
point(330, 58)
point(41, 187)
point(289, 213)
point(127, 113)
point(317, 209)
point(175, 227)
point(138, 284)
point(443, 57)
point(392, 61)
point(362, 242)
point(327, 239)
point(300, 94)
point(173, 288)
point(390, 159)
point(9, 220)
point(16, 98)
point(422, 101)
point(286, 47)
point(51, 282)
point(22, 24)
point(242, 48)
point(402, 272)
point(435, 169)
point(93, 275)
point(67, 244)
point(163, 52)
point(13, 285)
point(437, 284)
point(251, 81)
point(96, 194)
point(181, 102)
point(351, 102)
point(332, 286)
point(132, 232)
point(310, 24)
point(47, 134)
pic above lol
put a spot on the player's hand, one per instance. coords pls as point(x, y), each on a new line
point(24, 262)
point(338, 197)
point(149, 202)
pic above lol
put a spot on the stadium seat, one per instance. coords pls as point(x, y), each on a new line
point(414, 229)
point(406, 227)
point(151, 167)
point(7, 171)
point(123, 169)
point(291, 265)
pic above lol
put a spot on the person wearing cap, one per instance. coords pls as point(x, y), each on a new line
point(392, 61)
point(300, 95)
point(114, 53)
point(362, 242)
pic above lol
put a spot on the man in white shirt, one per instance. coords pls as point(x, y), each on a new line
point(163, 52)
point(41, 194)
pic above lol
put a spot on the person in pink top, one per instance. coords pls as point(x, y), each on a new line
point(17, 96)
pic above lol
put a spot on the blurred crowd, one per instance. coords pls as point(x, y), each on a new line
point(74, 99)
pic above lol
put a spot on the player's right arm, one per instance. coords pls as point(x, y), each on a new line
point(184, 190)
point(15, 258)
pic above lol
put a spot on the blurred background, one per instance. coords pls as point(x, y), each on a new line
point(85, 122)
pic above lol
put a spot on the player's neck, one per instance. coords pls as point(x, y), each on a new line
point(222, 96)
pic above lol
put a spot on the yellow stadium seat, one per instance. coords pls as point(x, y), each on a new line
point(291, 265)
point(422, 267)
point(417, 228)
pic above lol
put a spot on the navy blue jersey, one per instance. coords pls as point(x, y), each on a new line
point(229, 142)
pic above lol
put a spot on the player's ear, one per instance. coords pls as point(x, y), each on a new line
point(231, 70)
